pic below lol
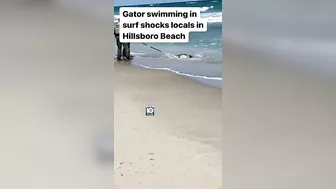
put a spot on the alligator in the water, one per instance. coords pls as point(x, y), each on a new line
point(184, 56)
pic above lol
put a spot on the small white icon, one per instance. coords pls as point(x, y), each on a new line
point(150, 110)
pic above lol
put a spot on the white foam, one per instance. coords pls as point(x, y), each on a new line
point(203, 9)
point(116, 17)
point(199, 55)
point(172, 56)
point(212, 17)
point(138, 53)
point(183, 74)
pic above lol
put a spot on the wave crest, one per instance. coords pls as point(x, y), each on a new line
point(213, 17)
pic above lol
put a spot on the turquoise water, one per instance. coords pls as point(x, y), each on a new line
point(206, 46)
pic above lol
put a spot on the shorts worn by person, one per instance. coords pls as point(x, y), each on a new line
point(125, 46)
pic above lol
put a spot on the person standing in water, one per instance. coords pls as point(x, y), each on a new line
point(125, 48)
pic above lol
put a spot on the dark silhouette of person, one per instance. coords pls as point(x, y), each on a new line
point(124, 48)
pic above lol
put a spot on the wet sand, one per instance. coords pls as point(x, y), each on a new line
point(179, 147)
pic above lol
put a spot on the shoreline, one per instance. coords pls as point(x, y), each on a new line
point(204, 73)
point(182, 140)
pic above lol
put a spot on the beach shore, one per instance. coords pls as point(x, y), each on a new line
point(177, 148)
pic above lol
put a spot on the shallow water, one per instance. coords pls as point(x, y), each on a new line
point(210, 74)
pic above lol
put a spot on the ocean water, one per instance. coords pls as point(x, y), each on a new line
point(206, 47)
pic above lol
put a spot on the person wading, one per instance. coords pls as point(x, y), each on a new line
point(125, 48)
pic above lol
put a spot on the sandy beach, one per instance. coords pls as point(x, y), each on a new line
point(177, 148)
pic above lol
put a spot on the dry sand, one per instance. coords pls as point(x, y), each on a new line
point(177, 148)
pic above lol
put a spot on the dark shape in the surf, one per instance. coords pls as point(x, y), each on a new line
point(184, 55)
point(177, 56)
